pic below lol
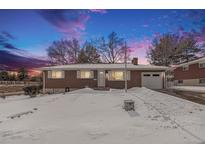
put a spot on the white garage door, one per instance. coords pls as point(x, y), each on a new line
point(152, 80)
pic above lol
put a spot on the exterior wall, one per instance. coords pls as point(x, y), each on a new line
point(189, 77)
point(73, 82)
point(194, 72)
point(135, 81)
point(70, 80)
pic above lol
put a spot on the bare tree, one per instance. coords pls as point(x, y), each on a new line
point(64, 52)
point(111, 50)
point(88, 54)
point(73, 50)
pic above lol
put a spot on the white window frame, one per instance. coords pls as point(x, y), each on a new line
point(185, 68)
point(203, 63)
point(52, 76)
point(80, 77)
point(109, 77)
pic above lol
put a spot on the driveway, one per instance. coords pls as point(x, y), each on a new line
point(194, 96)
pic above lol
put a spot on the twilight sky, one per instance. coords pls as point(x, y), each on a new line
point(25, 34)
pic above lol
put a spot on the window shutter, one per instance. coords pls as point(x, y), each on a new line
point(49, 74)
point(128, 75)
point(78, 74)
point(63, 74)
point(92, 74)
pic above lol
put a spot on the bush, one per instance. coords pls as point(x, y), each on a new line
point(32, 91)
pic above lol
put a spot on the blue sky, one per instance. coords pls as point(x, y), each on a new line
point(33, 31)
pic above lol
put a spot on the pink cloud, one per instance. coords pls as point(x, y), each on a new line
point(143, 44)
point(70, 22)
point(139, 49)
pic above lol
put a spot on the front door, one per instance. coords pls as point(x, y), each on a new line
point(101, 78)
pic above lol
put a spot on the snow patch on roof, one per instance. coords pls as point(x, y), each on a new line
point(105, 66)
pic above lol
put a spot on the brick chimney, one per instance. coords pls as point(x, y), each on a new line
point(135, 61)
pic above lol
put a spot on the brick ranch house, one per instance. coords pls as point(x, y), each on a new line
point(77, 76)
point(191, 73)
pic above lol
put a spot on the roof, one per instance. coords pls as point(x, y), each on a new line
point(192, 62)
point(104, 66)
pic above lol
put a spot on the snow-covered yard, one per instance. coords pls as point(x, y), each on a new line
point(89, 116)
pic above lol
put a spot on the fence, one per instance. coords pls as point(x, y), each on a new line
point(12, 83)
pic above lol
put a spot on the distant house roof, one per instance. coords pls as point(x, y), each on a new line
point(191, 62)
point(104, 66)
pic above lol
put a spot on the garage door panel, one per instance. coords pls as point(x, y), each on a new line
point(152, 80)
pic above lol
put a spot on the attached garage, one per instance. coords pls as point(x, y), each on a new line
point(152, 80)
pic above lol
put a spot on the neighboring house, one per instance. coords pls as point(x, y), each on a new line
point(103, 76)
point(191, 73)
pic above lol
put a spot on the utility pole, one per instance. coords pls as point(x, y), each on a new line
point(125, 48)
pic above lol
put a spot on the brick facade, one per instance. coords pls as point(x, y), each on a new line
point(194, 72)
point(72, 81)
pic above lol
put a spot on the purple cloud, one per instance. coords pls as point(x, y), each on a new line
point(10, 61)
point(8, 35)
point(11, 58)
point(70, 22)
point(5, 37)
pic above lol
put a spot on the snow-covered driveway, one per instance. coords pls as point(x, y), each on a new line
point(89, 116)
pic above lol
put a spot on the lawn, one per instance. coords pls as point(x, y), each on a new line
point(91, 116)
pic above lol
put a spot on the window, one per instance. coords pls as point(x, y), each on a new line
point(185, 67)
point(201, 65)
point(180, 81)
point(202, 80)
point(155, 75)
point(55, 74)
point(118, 75)
point(85, 74)
point(146, 75)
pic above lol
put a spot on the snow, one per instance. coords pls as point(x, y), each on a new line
point(104, 66)
point(90, 116)
point(189, 88)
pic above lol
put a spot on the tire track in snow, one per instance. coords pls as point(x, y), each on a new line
point(166, 116)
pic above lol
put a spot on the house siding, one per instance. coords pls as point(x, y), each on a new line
point(194, 72)
point(70, 80)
